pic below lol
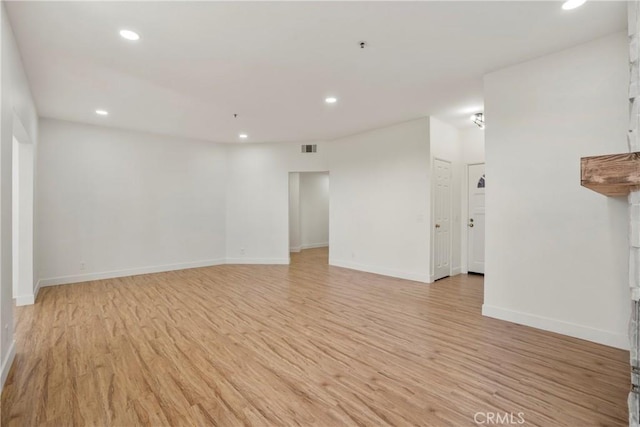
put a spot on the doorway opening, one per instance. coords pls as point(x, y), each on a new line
point(309, 217)
point(22, 201)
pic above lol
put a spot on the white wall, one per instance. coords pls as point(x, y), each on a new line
point(258, 198)
point(445, 145)
point(23, 219)
point(380, 201)
point(294, 212)
point(18, 114)
point(115, 203)
point(314, 209)
point(472, 145)
point(557, 253)
point(125, 189)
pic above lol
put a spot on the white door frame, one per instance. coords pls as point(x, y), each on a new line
point(464, 230)
point(327, 171)
point(433, 221)
point(23, 152)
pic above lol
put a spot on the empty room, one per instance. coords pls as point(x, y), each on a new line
point(361, 213)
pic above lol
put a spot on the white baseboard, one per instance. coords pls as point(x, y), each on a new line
point(28, 299)
point(6, 363)
point(25, 300)
point(453, 272)
point(65, 280)
point(314, 245)
point(36, 291)
point(416, 277)
point(547, 324)
point(308, 246)
point(276, 261)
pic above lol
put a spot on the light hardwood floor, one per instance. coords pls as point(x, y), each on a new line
point(305, 344)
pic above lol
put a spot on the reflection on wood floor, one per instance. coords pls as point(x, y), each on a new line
point(305, 344)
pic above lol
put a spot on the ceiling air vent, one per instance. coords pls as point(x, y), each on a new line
point(311, 148)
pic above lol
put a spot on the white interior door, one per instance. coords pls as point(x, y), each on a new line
point(442, 219)
point(476, 220)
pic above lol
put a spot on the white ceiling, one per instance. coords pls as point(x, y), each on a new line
point(273, 63)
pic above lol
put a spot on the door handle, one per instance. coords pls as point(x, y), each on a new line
point(470, 224)
point(437, 225)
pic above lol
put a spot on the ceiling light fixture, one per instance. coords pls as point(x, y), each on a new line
point(331, 100)
point(478, 119)
point(129, 35)
point(572, 4)
point(243, 136)
point(102, 112)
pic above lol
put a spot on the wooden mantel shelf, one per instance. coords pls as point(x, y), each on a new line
point(611, 175)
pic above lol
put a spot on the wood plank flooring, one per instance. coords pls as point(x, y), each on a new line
point(305, 344)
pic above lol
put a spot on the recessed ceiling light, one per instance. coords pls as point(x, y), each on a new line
point(331, 100)
point(102, 112)
point(243, 136)
point(572, 4)
point(129, 35)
